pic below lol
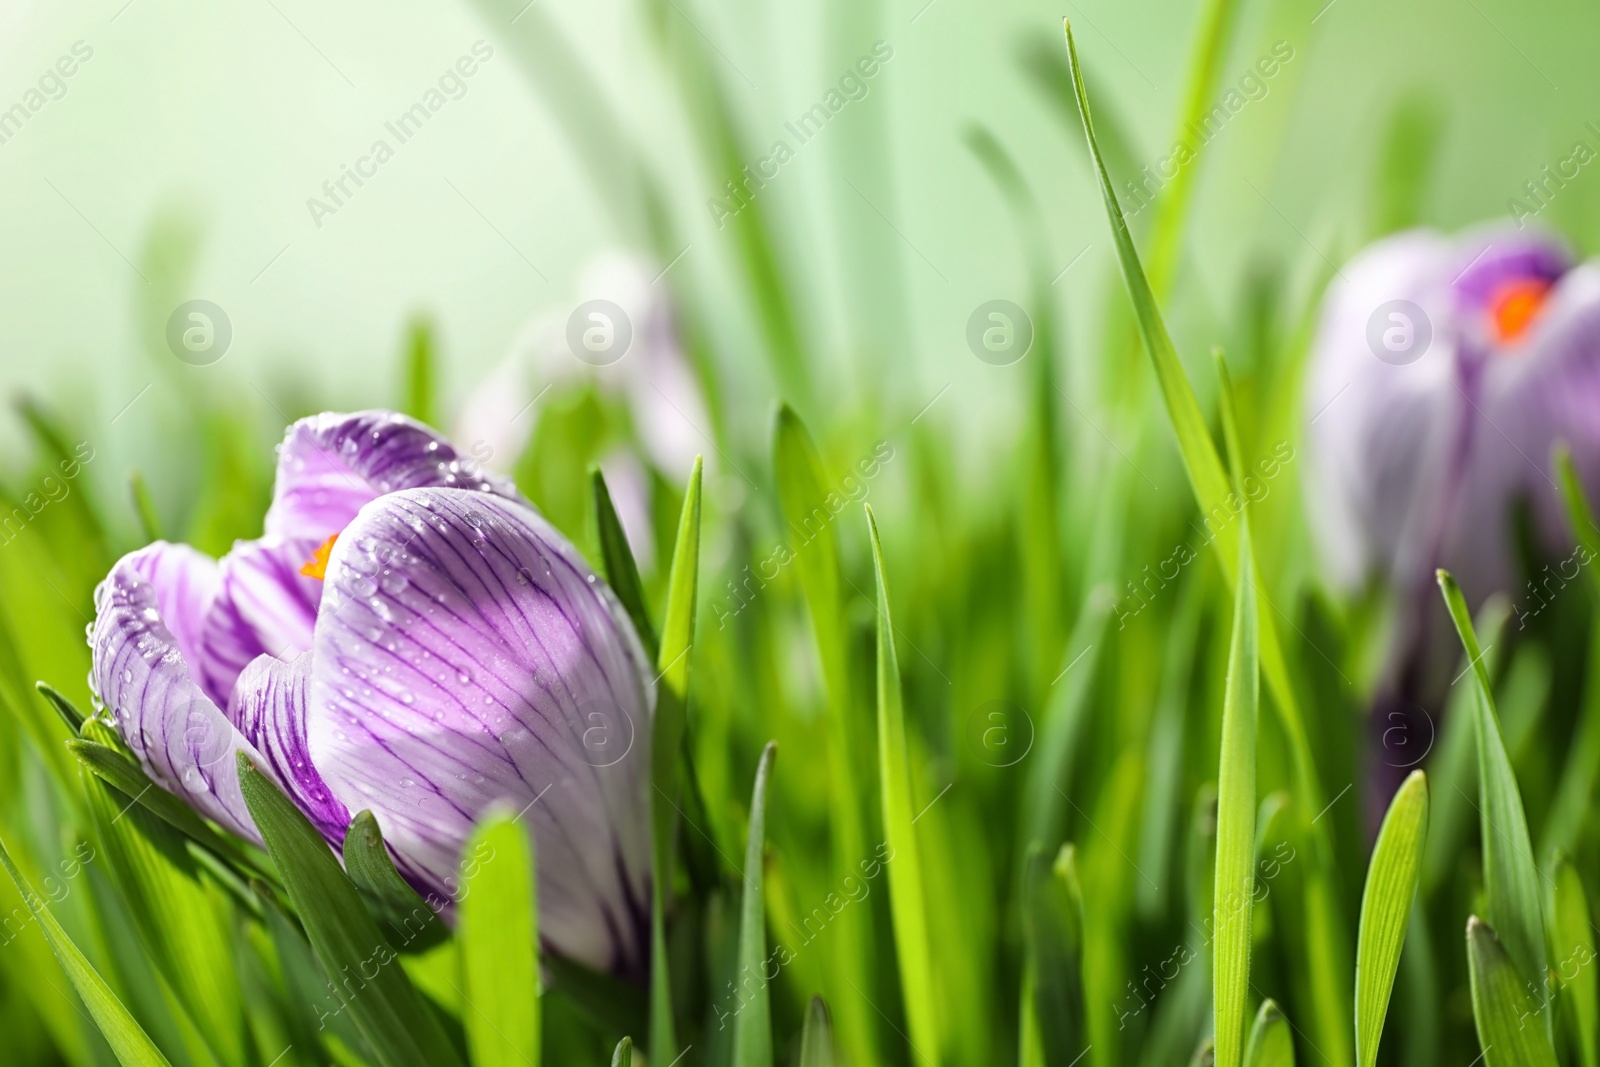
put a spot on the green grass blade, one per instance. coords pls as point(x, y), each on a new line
point(131, 1044)
point(672, 705)
point(182, 922)
point(1050, 777)
point(65, 708)
point(752, 1027)
point(413, 926)
point(1052, 924)
point(1236, 835)
point(1579, 514)
point(1391, 887)
point(1271, 1042)
point(144, 506)
point(907, 904)
point(421, 374)
point(802, 494)
point(1505, 1014)
point(499, 935)
point(622, 572)
point(395, 1021)
point(623, 1056)
point(1511, 879)
point(1573, 955)
point(816, 1040)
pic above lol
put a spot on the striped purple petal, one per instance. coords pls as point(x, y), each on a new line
point(465, 655)
point(141, 674)
point(330, 465)
point(270, 709)
point(263, 606)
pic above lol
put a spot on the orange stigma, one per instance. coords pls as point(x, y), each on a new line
point(1515, 305)
point(317, 566)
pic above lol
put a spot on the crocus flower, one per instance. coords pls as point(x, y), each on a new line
point(411, 637)
point(1444, 371)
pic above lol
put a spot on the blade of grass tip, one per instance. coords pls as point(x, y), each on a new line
point(144, 506)
point(1392, 876)
point(395, 1021)
point(1576, 788)
point(907, 905)
point(672, 703)
point(1236, 814)
point(1501, 1005)
point(413, 926)
point(420, 373)
point(1205, 1054)
point(132, 1046)
point(622, 572)
point(1510, 878)
point(752, 1026)
point(816, 1040)
point(1052, 923)
point(65, 708)
point(499, 936)
point(1271, 1042)
point(623, 1057)
point(1572, 949)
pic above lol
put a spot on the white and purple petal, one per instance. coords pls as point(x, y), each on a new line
point(263, 605)
point(466, 656)
point(270, 705)
point(331, 465)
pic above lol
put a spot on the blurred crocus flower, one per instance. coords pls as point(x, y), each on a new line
point(410, 637)
point(1444, 371)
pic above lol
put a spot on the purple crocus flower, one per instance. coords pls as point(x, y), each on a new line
point(411, 637)
point(1444, 371)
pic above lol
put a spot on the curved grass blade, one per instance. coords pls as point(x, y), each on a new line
point(1504, 1013)
point(1510, 878)
point(1326, 937)
point(65, 708)
point(1050, 778)
point(907, 905)
point(182, 922)
point(395, 1021)
point(1052, 924)
point(499, 935)
point(1271, 1043)
point(413, 926)
point(1236, 815)
point(623, 1056)
point(131, 1044)
point(1576, 790)
point(816, 1040)
point(672, 705)
point(752, 1027)
point(1392, 876)
point(622, 572)
point(1573, 958)
point(144, 506)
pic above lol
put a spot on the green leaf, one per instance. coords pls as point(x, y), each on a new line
point(181, 918)
point(1271, 1043)
point(1579, 513)
point(499, 934)
point(1501, 1005)
point(672, 704)
point(397, 1024)
point(1576, 789)
point(623, 1057)
point(1050, 777)
point(131, 1044)
point(614, 1005)
point(1052, 925)
point(65, 708)
point(907, 904)
point(420, 374)
point(1511, 880)
point(1236, 815)
point(1391, 887)
point(413, 926)
point(622, 572)
point(1573, 955)
point(752, 1026)
point(816, 1040)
